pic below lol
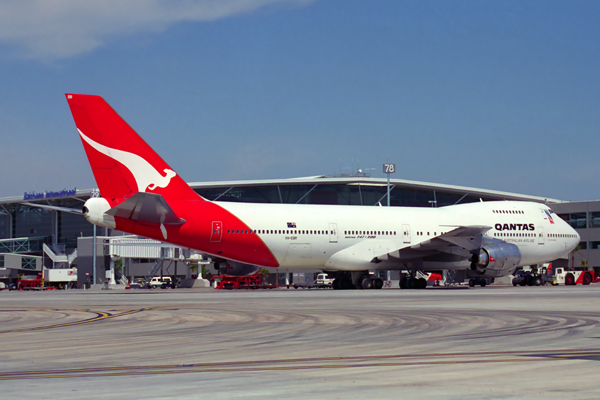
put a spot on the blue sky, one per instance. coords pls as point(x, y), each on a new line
point(497, 95)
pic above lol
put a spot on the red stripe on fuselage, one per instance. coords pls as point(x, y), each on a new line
point(195, 233)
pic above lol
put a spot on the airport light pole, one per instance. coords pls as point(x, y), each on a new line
point(389, 169)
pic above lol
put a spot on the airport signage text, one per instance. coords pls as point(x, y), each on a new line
point(389, 168)
point(49, 194)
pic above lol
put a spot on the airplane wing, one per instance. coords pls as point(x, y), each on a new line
point(150, 208)
point(461, 241)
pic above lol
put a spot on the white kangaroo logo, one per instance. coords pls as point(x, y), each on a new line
point(146, 176)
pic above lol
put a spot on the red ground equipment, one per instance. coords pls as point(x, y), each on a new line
point(33, 284)
point(240, 282)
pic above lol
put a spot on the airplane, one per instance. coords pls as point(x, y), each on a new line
point(140, 194)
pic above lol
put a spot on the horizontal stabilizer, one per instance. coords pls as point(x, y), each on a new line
point(149, 208)
point(55, 208)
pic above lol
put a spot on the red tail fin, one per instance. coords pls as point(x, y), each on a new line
point(122, 162)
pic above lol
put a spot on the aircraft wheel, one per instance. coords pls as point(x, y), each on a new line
point(537, 281)
point(404, 283)
point(411, 283)
point(422, 283)
point(336, 284)
point(377, 283)
point(471, 282)
point(346, 283)
point(482, 283)
point(367, 283)
point(587, 279)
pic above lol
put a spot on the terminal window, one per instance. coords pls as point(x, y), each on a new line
point(595, 245)
point(595, 219)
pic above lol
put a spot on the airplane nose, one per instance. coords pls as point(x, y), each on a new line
point(576, 238)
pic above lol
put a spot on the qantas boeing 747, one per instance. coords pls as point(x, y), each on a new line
point(142, 195)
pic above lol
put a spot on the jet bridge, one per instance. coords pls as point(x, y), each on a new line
point(133, 247)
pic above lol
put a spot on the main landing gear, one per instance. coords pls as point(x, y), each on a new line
point(356, 280)
point(411, 282)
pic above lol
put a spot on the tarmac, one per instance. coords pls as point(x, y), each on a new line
point(444, 343)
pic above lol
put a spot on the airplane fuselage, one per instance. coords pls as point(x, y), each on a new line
point(307, 236)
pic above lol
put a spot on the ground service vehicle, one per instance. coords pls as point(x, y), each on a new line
point(240, 282)
point(528, 278)
point(142, 195)
point(564, 277)
point(158, 282)
point(37, 283)
point(555, 276)
point(323, 281)
point(478, 281)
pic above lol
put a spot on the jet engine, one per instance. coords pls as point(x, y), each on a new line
point(234, 268)
point(94, 210)
point(497, 259)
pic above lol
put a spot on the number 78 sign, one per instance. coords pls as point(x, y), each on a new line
point(389, 168)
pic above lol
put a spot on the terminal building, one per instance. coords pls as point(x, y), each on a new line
point(33, 239)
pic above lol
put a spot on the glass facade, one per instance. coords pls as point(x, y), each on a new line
point(28, 263)
point(594, 245)
point(4, 225)
point(30, 221)
point(341, 194)
point(576, 220)
point(72, 226)
point(50, 226)
point(38, 222)
point(595, 219)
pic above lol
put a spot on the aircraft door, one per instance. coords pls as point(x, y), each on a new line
point(217, 231)
point(333, 235)
point(541, 236)
point(406, 233)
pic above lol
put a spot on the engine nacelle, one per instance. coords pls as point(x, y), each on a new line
point(94, 210)
point(234, 268)
point(498, 259)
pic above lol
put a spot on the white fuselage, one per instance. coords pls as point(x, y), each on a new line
point(308, 236)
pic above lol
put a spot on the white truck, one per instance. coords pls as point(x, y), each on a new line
point(323, 281)
point(158, 282)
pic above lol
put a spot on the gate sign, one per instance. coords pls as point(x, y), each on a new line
point(389, 168)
